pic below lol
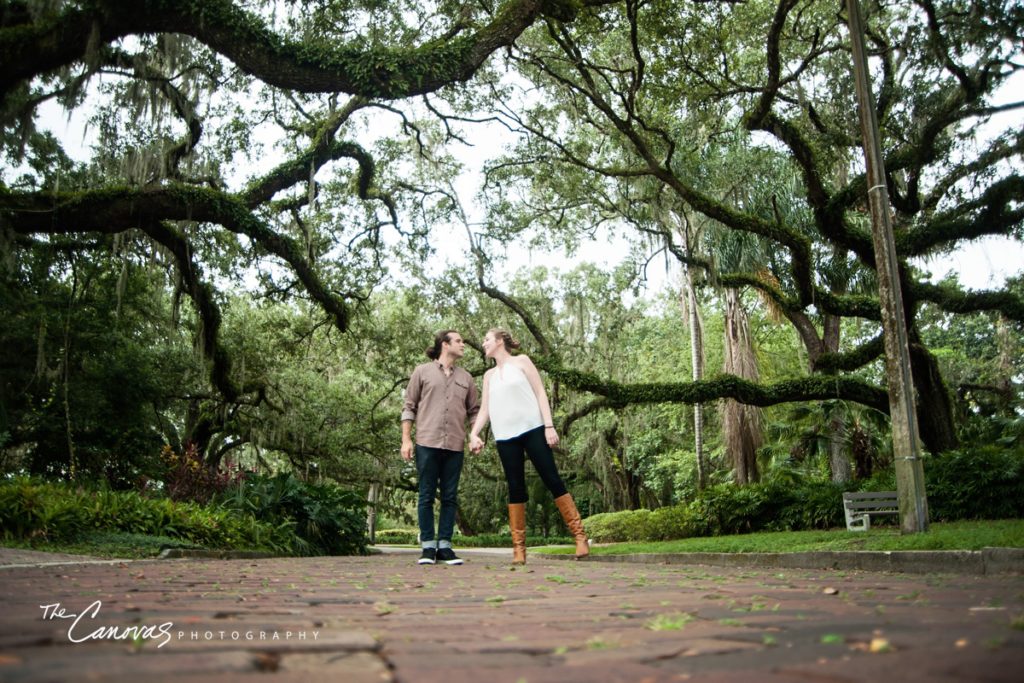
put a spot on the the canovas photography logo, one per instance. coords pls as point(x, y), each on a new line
point(85, 626)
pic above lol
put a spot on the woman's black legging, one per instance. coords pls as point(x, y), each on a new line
point(513, 453)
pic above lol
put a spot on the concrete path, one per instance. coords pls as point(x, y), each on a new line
point(383, 618)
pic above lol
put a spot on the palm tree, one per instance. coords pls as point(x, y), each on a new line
point(691, 309)
point(741, 424)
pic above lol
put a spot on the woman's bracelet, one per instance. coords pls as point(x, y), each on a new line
point(549, 426)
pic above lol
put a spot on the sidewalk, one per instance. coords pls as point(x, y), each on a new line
point(384, 618)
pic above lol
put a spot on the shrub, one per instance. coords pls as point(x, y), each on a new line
point(610, 527)
point(727, 509)
point(29, 510)
point(395, 536)
point(505, 540)
point(730, 509)
point(986, 482)
point(981, 483)
point(668, 523)
point(327, 519)
point(819, 505)
point(62, 512)
point(187, 477)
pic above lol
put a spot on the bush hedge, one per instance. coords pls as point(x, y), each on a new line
point(280, 515)
point(327, 520)
point(35, 510)
point(976, 483)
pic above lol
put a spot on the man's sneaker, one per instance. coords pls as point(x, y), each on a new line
point(429, 556)
point(448, 556)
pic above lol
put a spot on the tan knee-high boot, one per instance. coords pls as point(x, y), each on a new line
point(567, 507)
point(517, 526)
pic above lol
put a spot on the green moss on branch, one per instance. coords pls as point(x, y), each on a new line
point(727, 386)
point(116, 209)
point(36, 48)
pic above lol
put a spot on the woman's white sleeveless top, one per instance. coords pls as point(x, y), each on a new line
point(511, 403)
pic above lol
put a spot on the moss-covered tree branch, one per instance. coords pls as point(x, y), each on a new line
point(114, 210)
point(509, 301)
point(634, 128)
point(957, 301)
point(996, 212)
point(853, 359)
point(32, 47)
point(818, 388)
point(209, 313)
point(324, 148)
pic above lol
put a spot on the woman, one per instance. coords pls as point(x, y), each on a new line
point(516, 404)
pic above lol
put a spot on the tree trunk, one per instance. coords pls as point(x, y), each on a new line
point(66, 378)
point(1006, 355)
point(697, 363)
point(741, 424)
point(692, 312)
point(935, 416)
point(838, 458)
point(839, 462)
point(371, 511)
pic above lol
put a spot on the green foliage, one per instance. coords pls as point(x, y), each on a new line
point(327, 520)
point(33, 510)
point(30, 510)
point(395, 536)
point(726, 509)
point(626, 525)
point(112, 544)
point(85, 369)
point(983, 482)
point(980, 483)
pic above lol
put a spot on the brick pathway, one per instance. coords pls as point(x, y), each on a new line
point(383, 618)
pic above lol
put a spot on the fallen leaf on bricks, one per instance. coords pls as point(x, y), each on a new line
point(880, 645)
point(267, 661)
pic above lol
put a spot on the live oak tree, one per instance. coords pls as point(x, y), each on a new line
point(180, 97)
point(181, 94)
point(665, 95)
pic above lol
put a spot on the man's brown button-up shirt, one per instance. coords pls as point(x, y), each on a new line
point(440, 404)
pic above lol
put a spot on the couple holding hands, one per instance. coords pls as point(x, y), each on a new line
point(441, 398)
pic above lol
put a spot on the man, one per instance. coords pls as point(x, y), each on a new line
point(441, 398)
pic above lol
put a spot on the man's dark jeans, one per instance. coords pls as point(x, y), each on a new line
point(437, 466)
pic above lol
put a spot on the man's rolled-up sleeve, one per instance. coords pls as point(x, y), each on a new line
point(412, 397)
point(472, 402)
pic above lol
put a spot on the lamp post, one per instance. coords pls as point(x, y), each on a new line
point(902, 406)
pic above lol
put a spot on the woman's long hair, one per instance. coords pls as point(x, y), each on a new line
point(506, 338)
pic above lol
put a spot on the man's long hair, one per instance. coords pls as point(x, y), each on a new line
point(434, 352)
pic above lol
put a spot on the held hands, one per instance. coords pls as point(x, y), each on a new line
point(476, 444)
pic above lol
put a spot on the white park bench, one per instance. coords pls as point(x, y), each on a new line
point(859, 507)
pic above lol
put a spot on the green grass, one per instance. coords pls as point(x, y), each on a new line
point(973, 535)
